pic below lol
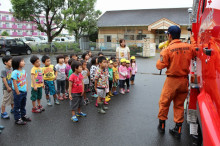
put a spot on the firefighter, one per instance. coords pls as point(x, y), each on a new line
point(176, 58)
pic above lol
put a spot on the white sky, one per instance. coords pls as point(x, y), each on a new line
point(106, 5)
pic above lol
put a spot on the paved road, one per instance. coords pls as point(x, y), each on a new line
point(131, 120)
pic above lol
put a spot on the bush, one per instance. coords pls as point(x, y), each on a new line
point(134, 49)
point(56, 47)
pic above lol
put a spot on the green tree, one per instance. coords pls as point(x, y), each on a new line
point(5, 33)
point(55, 12)
point(84, 18)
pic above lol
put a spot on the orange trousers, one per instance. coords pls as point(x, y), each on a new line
point(175, 89)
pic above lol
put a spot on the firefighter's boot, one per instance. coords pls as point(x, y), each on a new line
point(176, 131)
point(161, 126)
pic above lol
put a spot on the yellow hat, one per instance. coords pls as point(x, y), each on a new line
point(127, 61)
point(107, 59)
point(132, 57)
point(111, 61)
point(123, 60)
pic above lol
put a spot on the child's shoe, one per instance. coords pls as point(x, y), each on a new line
point(81, 114)
point(49, 102)
point(128, 91)
point(12, 111)
point(110, 93)
point(107, 99)
point(100, 108)
point(104, 107)
point(86, 101)
point(26, 118)
point(60, 98)
point(122, 91)
point(2, 127)
point(36, 110)
point(5, 115)
point(105, 102)
point(74, 119)
point(20, 122)
point(56, 102)
point(94, 95)
point(115, 93)
point(64, 97)
point(40, 107)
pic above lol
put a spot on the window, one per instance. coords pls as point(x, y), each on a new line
point(8, 31)
point(62, 39)
point(109, 39)
point(129, 37)
point(0, 24)
point(0, 17)
point(0, 31)
point(7, 17)
point(7, 25)
point(19, 25)
point(20, 43)
point(141, 37)
point(19, 32)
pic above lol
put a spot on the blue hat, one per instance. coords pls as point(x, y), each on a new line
point(174, 30)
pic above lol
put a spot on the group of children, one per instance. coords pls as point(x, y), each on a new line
point(74, 78)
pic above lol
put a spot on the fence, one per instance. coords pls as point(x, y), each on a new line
point(65, 47)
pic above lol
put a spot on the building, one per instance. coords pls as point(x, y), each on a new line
point(135, 25)
point(17, 28)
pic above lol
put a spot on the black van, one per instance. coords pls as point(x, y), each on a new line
point(14, 46)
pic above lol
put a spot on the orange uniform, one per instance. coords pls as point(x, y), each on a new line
point(176, 58)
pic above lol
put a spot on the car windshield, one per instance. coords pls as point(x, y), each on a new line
point(36, 39)
point(29, 39)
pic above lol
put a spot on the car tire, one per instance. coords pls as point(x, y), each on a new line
point(28, 52)
point(7, 53)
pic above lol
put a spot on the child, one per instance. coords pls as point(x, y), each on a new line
point(115, 76)
point(101, 83)
point(74, 56)
point(68, 67)
point(20, 89)
point(86, 58)
point(90, 56)
point(8, 98)
point(122, 75)
point(110, 71)
point(76, 91)
point(85, 73)
point(93, 69)
point(134, 69)
point(100, 54)
point(70, 71)
point(129, 69)
point(61, 77)
point(49, 75)
point(36, 84)
point(107, 98)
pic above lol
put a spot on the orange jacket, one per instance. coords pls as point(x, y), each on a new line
point(176, 58)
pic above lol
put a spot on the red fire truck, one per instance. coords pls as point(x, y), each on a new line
point(203, 113)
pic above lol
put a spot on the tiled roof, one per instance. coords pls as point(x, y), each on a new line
point(143, 17)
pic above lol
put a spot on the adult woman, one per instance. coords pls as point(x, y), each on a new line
point(122, 51)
